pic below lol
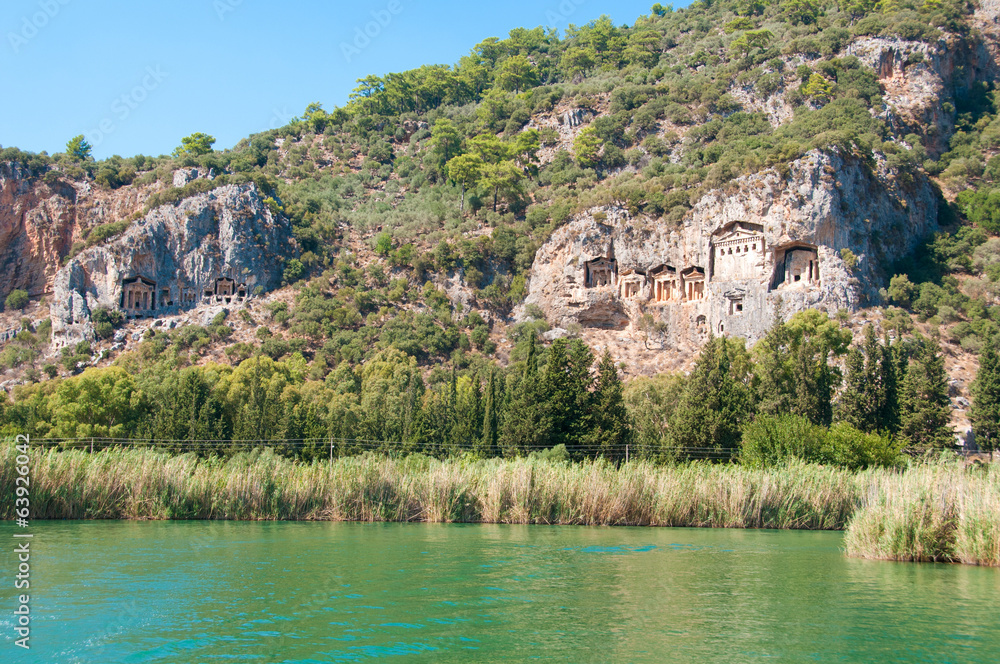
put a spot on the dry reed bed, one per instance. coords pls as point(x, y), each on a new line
point(929, 512)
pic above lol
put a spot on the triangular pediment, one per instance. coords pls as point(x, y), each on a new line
point(739, 234)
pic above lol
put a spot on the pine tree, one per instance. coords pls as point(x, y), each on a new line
point(566, 386)
point(924, 405)
point(870, 400)
point(526, 422)
point(610, 431)
point(891, 379)
point(985, 413)
point(793, 373)
point(716, 402)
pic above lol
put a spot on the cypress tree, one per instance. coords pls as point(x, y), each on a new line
point(526, 423)
point(924, 405)
point(890, 378)
point(488, 443)
point(610, 431)
point(715, 404)
point(814, 381)
point(852, 399)
point(477, 407)
point(467, 422)
point(793, 373)
point(411, 405)
point(566, 386)
point(453, 424)
point(773, 385)
point(870, 400)
point(985, 413)
point(531, 363)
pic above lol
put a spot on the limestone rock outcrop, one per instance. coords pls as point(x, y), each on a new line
point(41, 219)
point(822, 237)
point(919, 80)
point(215, 247)
point(37, 223)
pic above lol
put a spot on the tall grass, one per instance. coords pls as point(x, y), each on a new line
point(941, 512)
point(935, 512)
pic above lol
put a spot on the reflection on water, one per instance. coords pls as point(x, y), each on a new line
point(332, 592)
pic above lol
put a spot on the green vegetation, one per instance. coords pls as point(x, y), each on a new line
point(986, 398)
point(419, 159)
point(105, 321)
point(16, 299)
point(941, 513)
point(387, 387)
point(79, 148)
point(934, 512)
point(436, 169)
point(195, 145)
point(428, 154)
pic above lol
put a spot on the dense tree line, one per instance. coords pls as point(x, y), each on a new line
point(891, 394)
point(555, 397)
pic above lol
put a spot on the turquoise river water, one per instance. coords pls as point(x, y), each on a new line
point(197, 591)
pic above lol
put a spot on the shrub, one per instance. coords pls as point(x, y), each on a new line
point(480, 335)
point(105, 321)
point(850, 260)
point(99, 234)
point(383, 244)
point(902, 290)
point(770, 440)
point(294, 271)
point(17, 299)
point(854, 449)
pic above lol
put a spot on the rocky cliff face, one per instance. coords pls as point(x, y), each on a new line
point(918, 79)
point(217, 247)
point(764, 241)
point(40, 221)
point(37, 223)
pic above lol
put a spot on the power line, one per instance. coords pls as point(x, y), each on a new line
point(354, 444)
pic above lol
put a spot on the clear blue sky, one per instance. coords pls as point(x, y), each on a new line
point(135, 76)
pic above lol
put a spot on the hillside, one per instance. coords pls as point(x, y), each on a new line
point(396, 260)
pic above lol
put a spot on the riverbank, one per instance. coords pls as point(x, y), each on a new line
point(942, 512)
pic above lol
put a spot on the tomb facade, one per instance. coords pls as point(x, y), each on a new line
point(664, 284)
point(693, 283)
point(796, 265)
point(138, 296)
point(735, 299)
point(738, 254)
point(225, 290)
point(600, 272)
point(632, 284)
